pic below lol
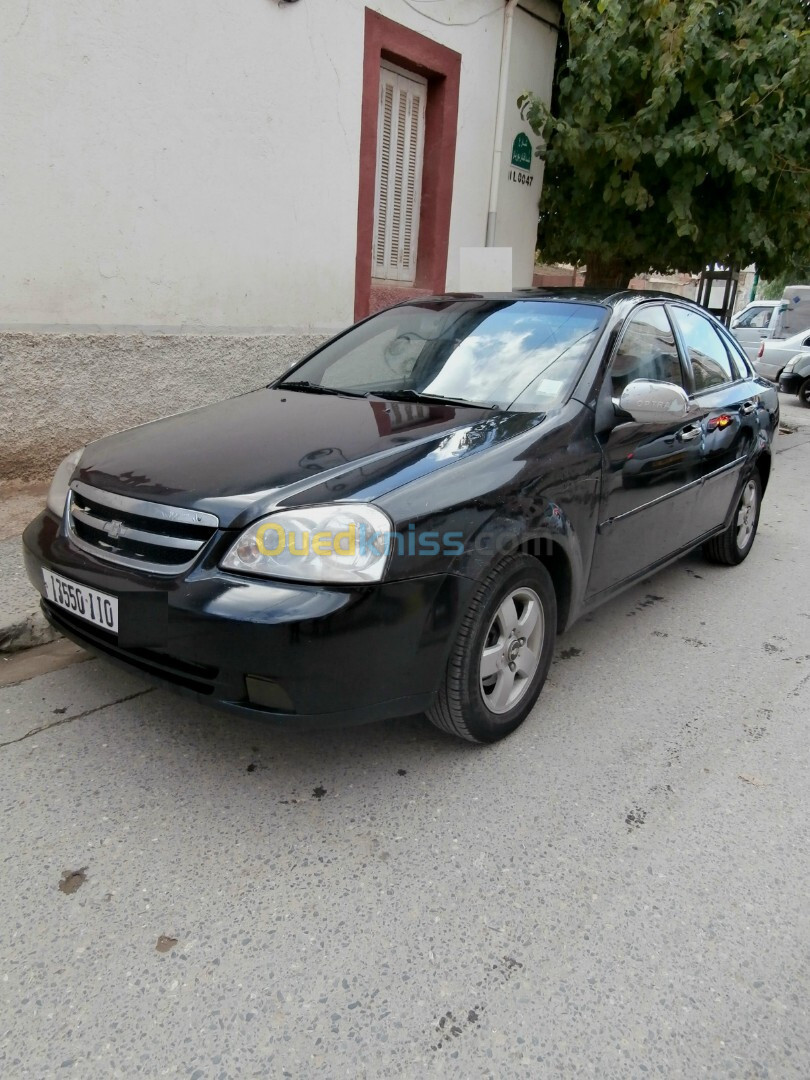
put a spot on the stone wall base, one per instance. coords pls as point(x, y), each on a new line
point(61, 390)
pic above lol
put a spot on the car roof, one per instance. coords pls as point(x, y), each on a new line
point(565, 293)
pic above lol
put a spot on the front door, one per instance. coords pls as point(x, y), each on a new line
point(650, 472)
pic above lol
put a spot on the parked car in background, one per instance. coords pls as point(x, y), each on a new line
point(774, 354)
point(406, 519)
point(763, 320)
point(795, 377)
point(756, 321)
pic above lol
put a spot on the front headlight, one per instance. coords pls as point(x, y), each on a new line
point(790, 365)
point(59, 484)
point(341, 543)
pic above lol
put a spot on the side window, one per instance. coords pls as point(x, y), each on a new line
point(710, 361)
point(646, 351)
point(755, 319)
point(739, 363)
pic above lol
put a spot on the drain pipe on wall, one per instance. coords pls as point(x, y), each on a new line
point(500, 118)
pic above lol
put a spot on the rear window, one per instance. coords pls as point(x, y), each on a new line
point(739, 362)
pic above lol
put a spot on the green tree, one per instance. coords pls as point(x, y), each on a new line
point(677, 137)
point(773, 289)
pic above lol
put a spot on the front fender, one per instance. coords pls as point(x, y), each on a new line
point(546, 529)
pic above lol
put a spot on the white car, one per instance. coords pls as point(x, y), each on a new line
point(757, 321)
point(774, 354)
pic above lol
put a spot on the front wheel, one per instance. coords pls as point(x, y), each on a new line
point(804, 393)
point(733, 545)
point(501, 656)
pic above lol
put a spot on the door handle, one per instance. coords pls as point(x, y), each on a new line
point(747, 408)
point(690, 432)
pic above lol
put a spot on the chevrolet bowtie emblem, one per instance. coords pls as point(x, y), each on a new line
point(113, 529)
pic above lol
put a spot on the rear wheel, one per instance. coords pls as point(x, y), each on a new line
point(733, 545)
point(501, 657)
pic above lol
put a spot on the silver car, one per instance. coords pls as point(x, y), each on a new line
point(775, 353)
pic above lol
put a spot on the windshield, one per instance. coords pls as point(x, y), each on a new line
point(520, 354)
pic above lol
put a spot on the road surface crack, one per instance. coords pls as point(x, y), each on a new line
point(78, 716)
point(792, 446)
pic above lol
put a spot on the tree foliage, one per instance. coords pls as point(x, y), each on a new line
point(677, 136)
point(775, 288)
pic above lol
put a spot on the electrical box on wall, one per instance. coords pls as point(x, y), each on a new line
point(485, 269)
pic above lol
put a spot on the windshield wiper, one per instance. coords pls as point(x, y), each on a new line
point(307, 387)
point(438, 399)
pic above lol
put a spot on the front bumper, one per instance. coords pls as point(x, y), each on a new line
point(300, 655)
point(790, 383)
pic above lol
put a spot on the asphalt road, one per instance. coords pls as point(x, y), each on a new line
point(619, 890)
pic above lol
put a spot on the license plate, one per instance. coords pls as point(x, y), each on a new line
point(95, 607)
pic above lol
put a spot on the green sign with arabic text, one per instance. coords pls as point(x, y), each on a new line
point(522, 152)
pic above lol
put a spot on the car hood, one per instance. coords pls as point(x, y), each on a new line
point(243, 457)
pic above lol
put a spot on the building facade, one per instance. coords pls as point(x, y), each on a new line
point(194, 194)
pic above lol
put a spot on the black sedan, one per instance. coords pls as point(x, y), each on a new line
point(406, 520)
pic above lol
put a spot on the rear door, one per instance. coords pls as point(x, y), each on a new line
point(650, 472)
point(727, 409)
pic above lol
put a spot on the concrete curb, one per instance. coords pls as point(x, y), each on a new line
point(25, 634)
point(22, 624)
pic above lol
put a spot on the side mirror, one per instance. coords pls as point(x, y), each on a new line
point(654, 402)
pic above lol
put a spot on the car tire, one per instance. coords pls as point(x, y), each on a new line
point(501, 656)
point(804, 393)
point(733, 545)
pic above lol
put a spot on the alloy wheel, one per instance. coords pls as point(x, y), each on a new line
point(747, 515)
point(512, 650)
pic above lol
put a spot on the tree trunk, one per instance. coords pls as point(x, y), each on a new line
point(612, 273)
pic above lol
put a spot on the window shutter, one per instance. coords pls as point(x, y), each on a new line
point(400, 146)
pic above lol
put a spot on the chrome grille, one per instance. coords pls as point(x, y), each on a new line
point(133, 532)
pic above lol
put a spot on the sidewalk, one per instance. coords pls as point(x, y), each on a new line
point(22, 624)
point(793, 417)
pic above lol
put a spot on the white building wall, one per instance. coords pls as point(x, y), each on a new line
point(531, 67)
point(164, 158)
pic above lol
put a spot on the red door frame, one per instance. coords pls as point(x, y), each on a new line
point(387, 40)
